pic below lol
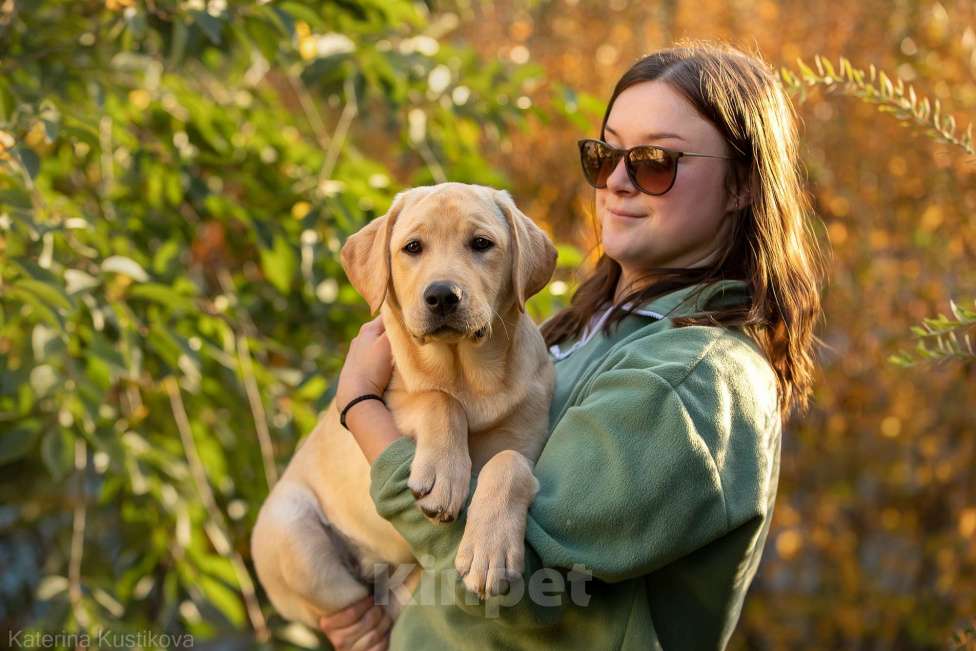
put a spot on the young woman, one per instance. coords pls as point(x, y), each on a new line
point(676, 362)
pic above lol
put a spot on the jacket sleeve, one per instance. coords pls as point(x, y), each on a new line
point(628, 483)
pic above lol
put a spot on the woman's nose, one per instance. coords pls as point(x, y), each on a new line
point(619, 181)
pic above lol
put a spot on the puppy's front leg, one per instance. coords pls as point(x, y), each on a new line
point(491, 553)
point(441, 469)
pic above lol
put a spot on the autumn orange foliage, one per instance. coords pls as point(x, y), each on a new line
point(873, 543)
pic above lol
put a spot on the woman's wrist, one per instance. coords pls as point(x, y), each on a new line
point(346, 406)
point(373, 427)
point(345, 396)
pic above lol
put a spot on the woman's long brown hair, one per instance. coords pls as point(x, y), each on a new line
point(772, 245)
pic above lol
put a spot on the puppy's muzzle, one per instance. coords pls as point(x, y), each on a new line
point(442, 298)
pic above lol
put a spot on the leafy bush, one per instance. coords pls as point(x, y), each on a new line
point(176, 181)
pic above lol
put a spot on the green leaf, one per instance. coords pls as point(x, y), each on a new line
point(568, 256)
point(40, 309)
point(8, 103)
point(57, 450)
point(125, 266)
point(81, 133)
point(164, 295)
point(51, 129)
point(29, 160)
point(77, 281)
point(829, 67)
point(17, 442)
point(224, 599)
point(46, 342)
point(210, 26)
point(284, 20)
point(49, 293)
point(51, 586)
point(214, 565)
point(805, 70)
point(887, 88)
point(279, 264)
point(164, 257)
point(265, 36)
point(312, 388)
point(901, 359)
point(165, 345)
point(301, 12)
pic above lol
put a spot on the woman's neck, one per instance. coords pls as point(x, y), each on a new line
point(626, 284)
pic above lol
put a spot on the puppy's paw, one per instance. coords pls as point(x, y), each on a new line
point(491, 554)
point(440, 483)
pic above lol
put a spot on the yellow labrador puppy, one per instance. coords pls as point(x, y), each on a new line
point(449, 267)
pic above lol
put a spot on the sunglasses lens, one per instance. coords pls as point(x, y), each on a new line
point(598, 162)
point(653, 169)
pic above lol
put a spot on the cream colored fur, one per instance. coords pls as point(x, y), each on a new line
point(472, 388)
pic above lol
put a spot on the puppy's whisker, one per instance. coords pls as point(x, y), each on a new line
point(495, 313)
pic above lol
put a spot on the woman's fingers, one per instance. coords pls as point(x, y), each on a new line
point(379, 634)
point(350, 614)
point(351, 637)
point(368, 366)
point(346, 617)
point(381, 646)
point(374, 325)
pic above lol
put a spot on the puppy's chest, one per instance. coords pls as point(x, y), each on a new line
point(483, 410)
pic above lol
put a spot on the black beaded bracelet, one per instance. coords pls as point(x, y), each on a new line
point(369, 396)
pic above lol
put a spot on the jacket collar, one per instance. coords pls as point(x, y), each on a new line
point(689, 300)
point(681, 302)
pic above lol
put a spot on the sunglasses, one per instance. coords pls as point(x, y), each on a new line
point(651, 169)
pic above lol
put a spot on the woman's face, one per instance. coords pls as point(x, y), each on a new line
point(685, 226)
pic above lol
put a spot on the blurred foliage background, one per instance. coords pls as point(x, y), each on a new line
point(176, 179)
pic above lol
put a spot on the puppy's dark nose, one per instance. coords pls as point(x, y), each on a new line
point(442, 298)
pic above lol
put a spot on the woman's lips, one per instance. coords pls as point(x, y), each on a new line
point(623, 213)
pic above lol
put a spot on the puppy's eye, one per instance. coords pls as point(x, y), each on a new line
point(481, 244)
point(413, 246)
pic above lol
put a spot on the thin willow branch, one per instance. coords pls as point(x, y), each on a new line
point(939, 339)
point(246, 366)
point(349, 112)
point(78, 536)
point(257, 410)
point(943, 338)
point(876, 87)
point(108, 172)
point(37, 199)
point(217, 531)
point(311, 112)
point(432, 164)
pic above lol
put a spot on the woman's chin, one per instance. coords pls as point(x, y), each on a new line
point(623, 248)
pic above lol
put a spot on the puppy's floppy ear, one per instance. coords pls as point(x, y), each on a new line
point(366, 254)
point(533, 254)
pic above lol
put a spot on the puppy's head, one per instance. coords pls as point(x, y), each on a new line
point(450, 257)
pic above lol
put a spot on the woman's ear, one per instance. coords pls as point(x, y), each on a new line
point(738, 202)
point(533, 254)
point(366, 254)
point(742, 194)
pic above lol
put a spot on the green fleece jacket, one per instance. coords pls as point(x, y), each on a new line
point(656, 492)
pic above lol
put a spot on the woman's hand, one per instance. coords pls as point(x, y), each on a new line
point(368, 366)
point(363, 626)
point(368, 369)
